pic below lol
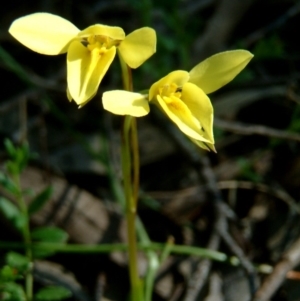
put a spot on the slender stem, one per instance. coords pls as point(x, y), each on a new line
point(130, 211)
point(136, 160)
point(126, 75)
point(129, 143)
point(153, 261)
point(108, 248)
point(26, 238)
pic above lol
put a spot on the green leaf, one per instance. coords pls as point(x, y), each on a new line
point(8, 184)
point(53, 293)
point(42, 253)
point(11, 150)
point(269, 48)
point(9, 209)
point(8, 274)
point(12, 213)
point(19, 157)
point(49, 234)
point(248, 171)
point(17, 261)
point(12, 292)
point(12, 167)
point(20, 222)
point(13, 65)
point(22, 156)
point(40, 200)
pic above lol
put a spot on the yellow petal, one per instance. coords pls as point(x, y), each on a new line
point(44, 33)
point(179, 113)
point(200, 107)
point(86, 101)
point(178, 77)
point(205, 145)
point(219, 69)
point(125, 103)
point(114, 32)
point(138, 46)
point(85, 70)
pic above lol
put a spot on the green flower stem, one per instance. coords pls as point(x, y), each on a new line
point(126, 74)
point(130, 153)
point(136, 160)
point(153, 261)
point(130, 210)
point(26, 237)
point(108, 248)
point(153, 247)
point(167, 249)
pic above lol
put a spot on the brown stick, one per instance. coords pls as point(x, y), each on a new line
point(290, 260)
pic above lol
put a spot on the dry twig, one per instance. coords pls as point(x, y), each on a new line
point(202, 165)
point(290, 260)
point(247, 129)
point(276, 192)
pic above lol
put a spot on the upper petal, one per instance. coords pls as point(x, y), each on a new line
point(114, 32)
point(138, 46)
point(85, 70)
point(44, 33)
point(125, 103)
point(178, 77)
point(180, 114)
point(201, 108)
point(219, 69)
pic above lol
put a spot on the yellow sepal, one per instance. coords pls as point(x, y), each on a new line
point(44, 33)
point(219, 69)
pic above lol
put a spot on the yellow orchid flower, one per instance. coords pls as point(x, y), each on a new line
point(186, 105)
point(181, 95)
point(89, 52)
